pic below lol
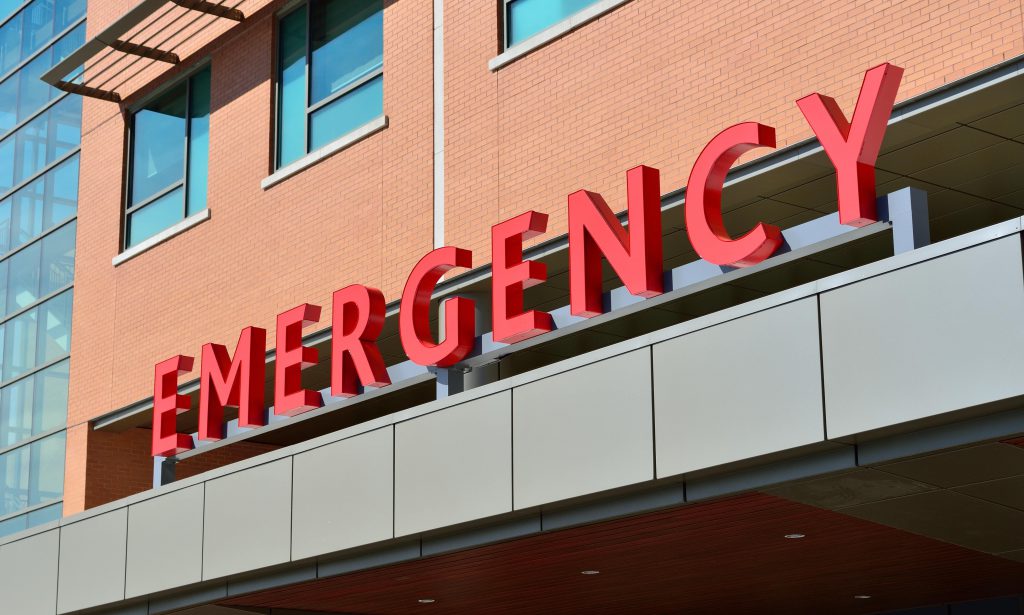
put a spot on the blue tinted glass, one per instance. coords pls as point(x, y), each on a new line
point(7, 7)
point(34, 405)
point(33, 92)
point(40, 142)
point(14, 524)
point(54, 336)
point(198, 141)
point(14, 480)
point(528, 17)
point(10, 43)
point(39, 206)
point(20, 344)
point(158, 149)
point(46, 481)
point(57, 264)
point(291, 121)
point(5, 226)
point(68, 12)
point(45, 515)
point(8, 104)
point(38, 26)
point(346, 41)
point(155, 217)
point(23, 283)
point(349, 112)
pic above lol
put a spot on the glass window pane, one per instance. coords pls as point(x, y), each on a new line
point(68, 12)
point(346, 42)
point(61, 193)
point(34, 404)
point(14, 524)
point(20, 344)
point(54, 337)
point(5, 226)
point(16, 412)
point(7, 7)
point(198, 141)
point(154, 217)
point(291, 126)
point(7, 164)
point(10, 43)
point(528, 17)
point(347, 113)
point(14, 477)
point(8, 104)
point(38, 24)
point(50, 398)
point(158, 151)
point(57, 268)
point(46, 479)
point(4, 268)
point(33, 92)
point(23, 283)
point(45, 515)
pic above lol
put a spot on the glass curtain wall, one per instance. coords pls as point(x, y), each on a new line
point(40, 136)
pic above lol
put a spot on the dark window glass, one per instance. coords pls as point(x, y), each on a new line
point(343, 45)
point(158, 153)
point(346, 42)
point(170, 159)
point(524, 18)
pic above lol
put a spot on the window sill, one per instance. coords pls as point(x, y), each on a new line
point(162, 236)
point(324, 152)
point(554, 32)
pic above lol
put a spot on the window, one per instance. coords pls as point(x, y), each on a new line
point(52, 135)
point(524, 18)
point(169, 159)
point(33, 474)
point(338, 47)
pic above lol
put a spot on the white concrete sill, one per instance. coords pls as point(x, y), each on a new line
point(324, 152)
point(554, 32)
point(161, 237)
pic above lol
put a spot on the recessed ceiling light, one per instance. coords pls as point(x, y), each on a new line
point(426, 601)
point(591, 572)
point(794, 536)
point(862, 596)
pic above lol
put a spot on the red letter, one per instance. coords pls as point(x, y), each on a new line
point(704, 200)
point(853, 146)
point(510, 275)
point(292, 357)
point(167, 405)
point(414, 315)
point(358, 317)
point(635, 254)
point(236, 382)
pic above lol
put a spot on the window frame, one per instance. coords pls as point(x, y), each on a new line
point(127, 208)
point(278, 164)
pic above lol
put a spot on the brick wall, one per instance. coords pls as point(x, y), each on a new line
point(648, 83)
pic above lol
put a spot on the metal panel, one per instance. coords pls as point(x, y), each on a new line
point(92, 560)
point(583, 431)
point(28, 574)
point(247, 521)
point(738, 390)
point(454, 465)
point(932, 338)
point(344, 494)
point(165, 542)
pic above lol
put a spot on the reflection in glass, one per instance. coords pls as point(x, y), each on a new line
point(346, 42)
point(198, 142)
point(291, 142)
point(524, 18)
point(40, 142)
point(154, 217)
point(158, 152)
point(34, 404)
point(347, 113)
